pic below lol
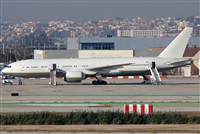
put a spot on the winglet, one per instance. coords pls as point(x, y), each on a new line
point(177, 47)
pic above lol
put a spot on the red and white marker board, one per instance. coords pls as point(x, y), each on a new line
point(138, 108)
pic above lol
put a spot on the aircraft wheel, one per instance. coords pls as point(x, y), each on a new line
point(145, 82)
point(99, 82)
point(94, 82)
point(104, 82)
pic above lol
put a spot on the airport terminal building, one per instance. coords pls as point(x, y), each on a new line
point(139, 45)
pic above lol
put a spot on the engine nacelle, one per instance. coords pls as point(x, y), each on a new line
point(74, 76)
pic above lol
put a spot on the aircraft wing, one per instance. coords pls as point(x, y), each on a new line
point(102, 69)
point(108, 68)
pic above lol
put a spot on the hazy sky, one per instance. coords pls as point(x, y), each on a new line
point(17, 11)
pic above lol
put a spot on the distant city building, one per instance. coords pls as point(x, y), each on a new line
point(72, 34)
point(139, 33)
point(182, 23)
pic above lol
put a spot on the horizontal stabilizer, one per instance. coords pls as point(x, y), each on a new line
point(181, 63)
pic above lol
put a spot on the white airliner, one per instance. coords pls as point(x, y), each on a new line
point(76, 70)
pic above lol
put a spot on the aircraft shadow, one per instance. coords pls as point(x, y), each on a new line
point(129, 83)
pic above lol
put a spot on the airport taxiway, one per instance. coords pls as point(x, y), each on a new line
point(177, 94)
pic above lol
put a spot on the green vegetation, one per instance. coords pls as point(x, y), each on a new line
point(100, 117)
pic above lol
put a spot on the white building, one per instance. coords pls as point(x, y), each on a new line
point(139, 33)
point(54, 54)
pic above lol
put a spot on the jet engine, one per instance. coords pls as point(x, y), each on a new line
point(74, 76)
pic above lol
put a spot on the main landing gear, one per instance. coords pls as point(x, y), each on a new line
point(147, 80)
point(99, 80)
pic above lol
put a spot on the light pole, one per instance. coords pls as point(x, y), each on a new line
point(10, 54)
point(49, 45)
point(25, 52)
point(3, 48)
point(31, 43)
point(44, 46)
point(16, 49)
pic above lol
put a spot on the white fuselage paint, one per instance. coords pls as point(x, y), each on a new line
point(41, 68)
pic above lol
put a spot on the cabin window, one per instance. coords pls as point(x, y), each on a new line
point(34, 66)
point(44, 67)
point(84, 65)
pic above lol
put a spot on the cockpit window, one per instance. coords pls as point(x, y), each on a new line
point(7, 67)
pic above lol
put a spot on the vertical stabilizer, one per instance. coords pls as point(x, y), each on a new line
point(177, 47)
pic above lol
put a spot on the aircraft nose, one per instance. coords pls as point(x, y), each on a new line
point(4, 70)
